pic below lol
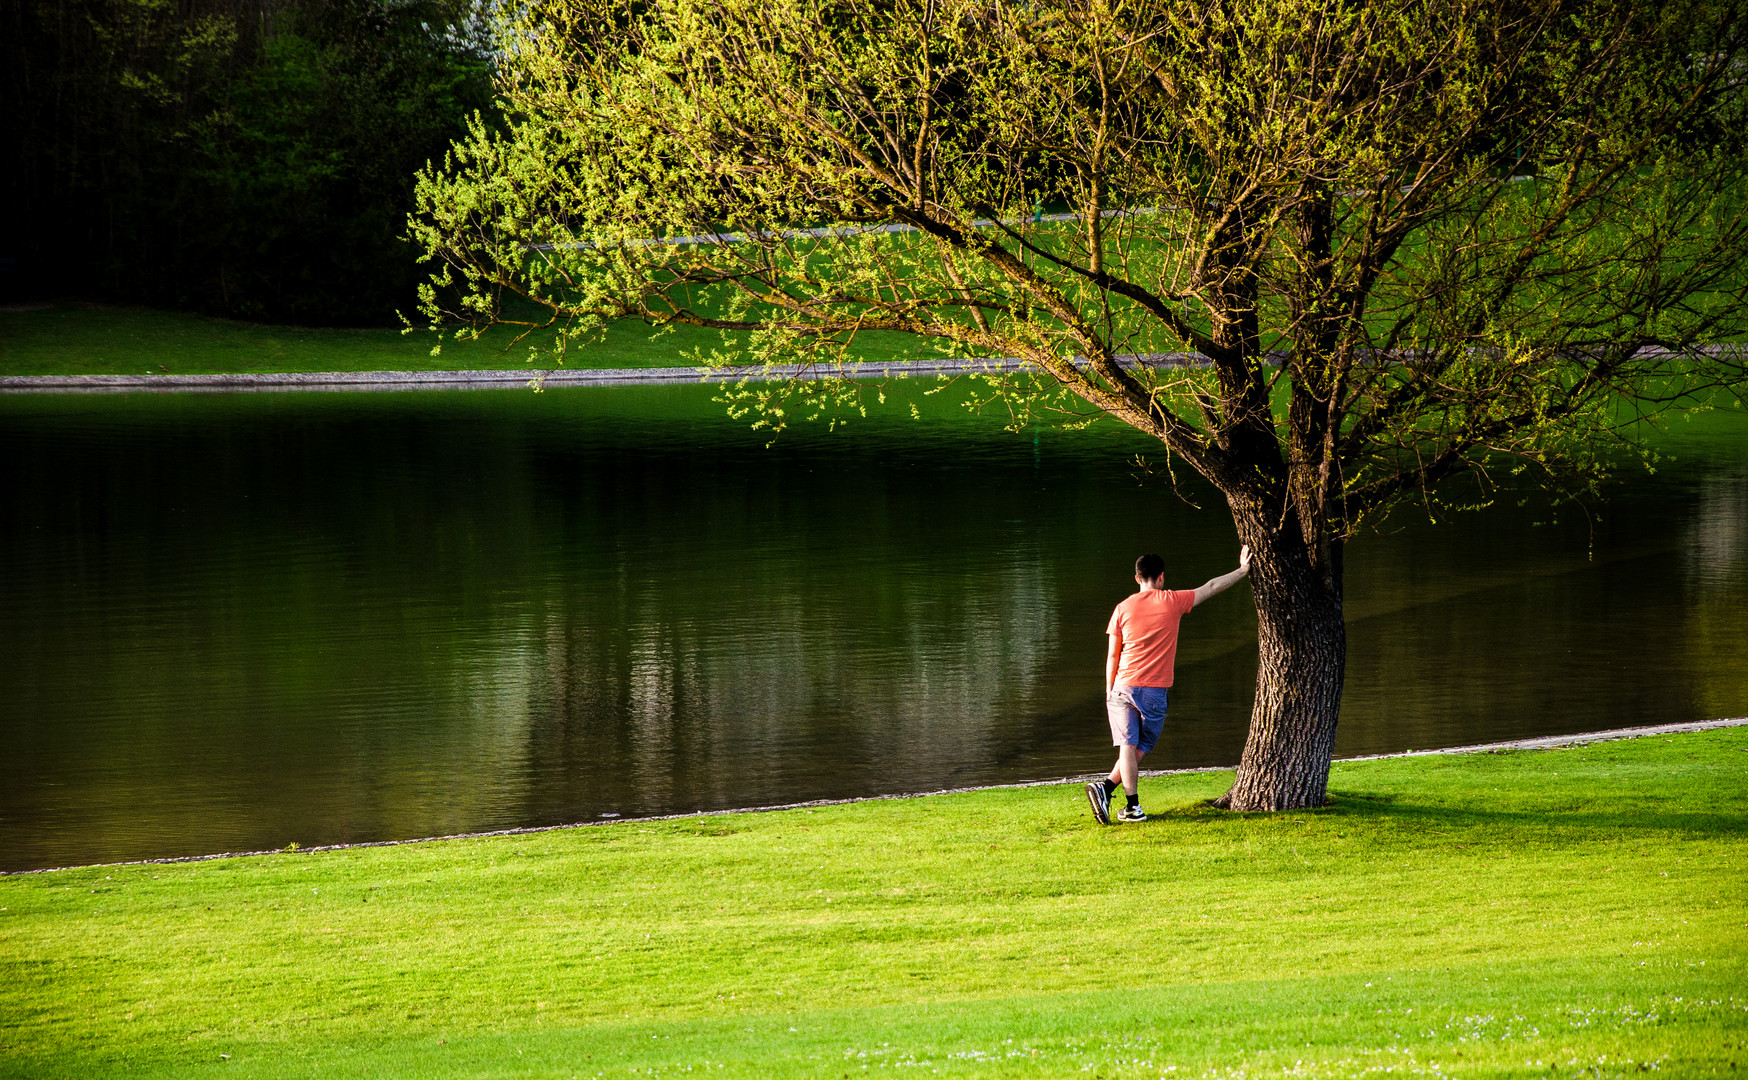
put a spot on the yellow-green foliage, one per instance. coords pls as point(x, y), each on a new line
point(1467, 230)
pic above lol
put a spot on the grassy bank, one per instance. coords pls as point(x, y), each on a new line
point(1578, 911)
point(98, 340)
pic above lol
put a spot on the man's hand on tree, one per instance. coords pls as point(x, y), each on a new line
point(1215, 586)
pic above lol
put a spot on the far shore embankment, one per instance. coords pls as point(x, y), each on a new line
point(543, 378)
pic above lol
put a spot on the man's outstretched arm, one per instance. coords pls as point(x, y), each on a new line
point(1216, 586)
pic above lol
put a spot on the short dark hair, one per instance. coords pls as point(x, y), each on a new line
point(1148, 567)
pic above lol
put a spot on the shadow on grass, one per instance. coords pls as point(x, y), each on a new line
point(1399, 811)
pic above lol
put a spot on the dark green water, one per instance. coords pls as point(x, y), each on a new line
point(237, 621)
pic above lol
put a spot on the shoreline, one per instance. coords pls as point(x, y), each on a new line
point(537, 378)
point(1544, 742)
point(483, 379)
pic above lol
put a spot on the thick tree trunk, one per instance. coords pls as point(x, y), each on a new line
point(1302, 646)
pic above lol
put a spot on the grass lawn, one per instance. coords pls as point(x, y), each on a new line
point(1545, 913)
point(96, 340)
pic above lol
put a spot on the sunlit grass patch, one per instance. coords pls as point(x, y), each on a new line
point(1571, 912)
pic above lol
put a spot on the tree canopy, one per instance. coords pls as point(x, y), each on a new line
point(1400, 243)
point(251, 158)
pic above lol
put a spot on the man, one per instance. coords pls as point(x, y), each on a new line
point(1138, 671)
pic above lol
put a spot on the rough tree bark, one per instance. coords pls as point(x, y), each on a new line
point(1301, 664)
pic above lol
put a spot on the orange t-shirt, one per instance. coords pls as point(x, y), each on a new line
point(1146, 624)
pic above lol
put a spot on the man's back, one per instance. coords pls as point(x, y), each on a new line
point(1147, 623)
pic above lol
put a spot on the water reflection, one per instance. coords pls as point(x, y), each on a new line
point(1716, 560)
point(234, 622)
point(1717, 545)
point(796, 680)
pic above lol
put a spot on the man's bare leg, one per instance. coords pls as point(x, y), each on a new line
point(1127, 770)
point(1124, 774)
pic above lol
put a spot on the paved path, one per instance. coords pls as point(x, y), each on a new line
point(477, 380)
point(1549, 742)
point(1544, 743)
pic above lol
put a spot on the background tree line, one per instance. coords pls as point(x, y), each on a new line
point(248, 158)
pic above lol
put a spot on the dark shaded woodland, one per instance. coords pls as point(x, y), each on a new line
point(247, 158)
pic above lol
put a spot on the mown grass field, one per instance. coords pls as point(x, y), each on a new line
point(1550, 913)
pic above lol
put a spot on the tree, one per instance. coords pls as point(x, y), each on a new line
point(1407, 243)
point(250, 158)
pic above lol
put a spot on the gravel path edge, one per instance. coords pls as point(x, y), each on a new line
point(553, 378)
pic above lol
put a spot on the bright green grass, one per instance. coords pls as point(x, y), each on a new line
point(1578, 911)
point(95, 340)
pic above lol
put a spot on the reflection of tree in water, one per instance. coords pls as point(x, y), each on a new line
point(475, 760)
point(781, 685)
point(1717, 538)
point(1716, 561)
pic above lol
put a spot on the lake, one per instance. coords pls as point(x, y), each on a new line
point(237, 621)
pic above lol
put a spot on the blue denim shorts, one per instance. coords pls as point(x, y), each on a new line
point(1137, 715)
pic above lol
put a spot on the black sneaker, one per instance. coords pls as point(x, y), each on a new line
point(1131, 813)
point(1101, 803)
